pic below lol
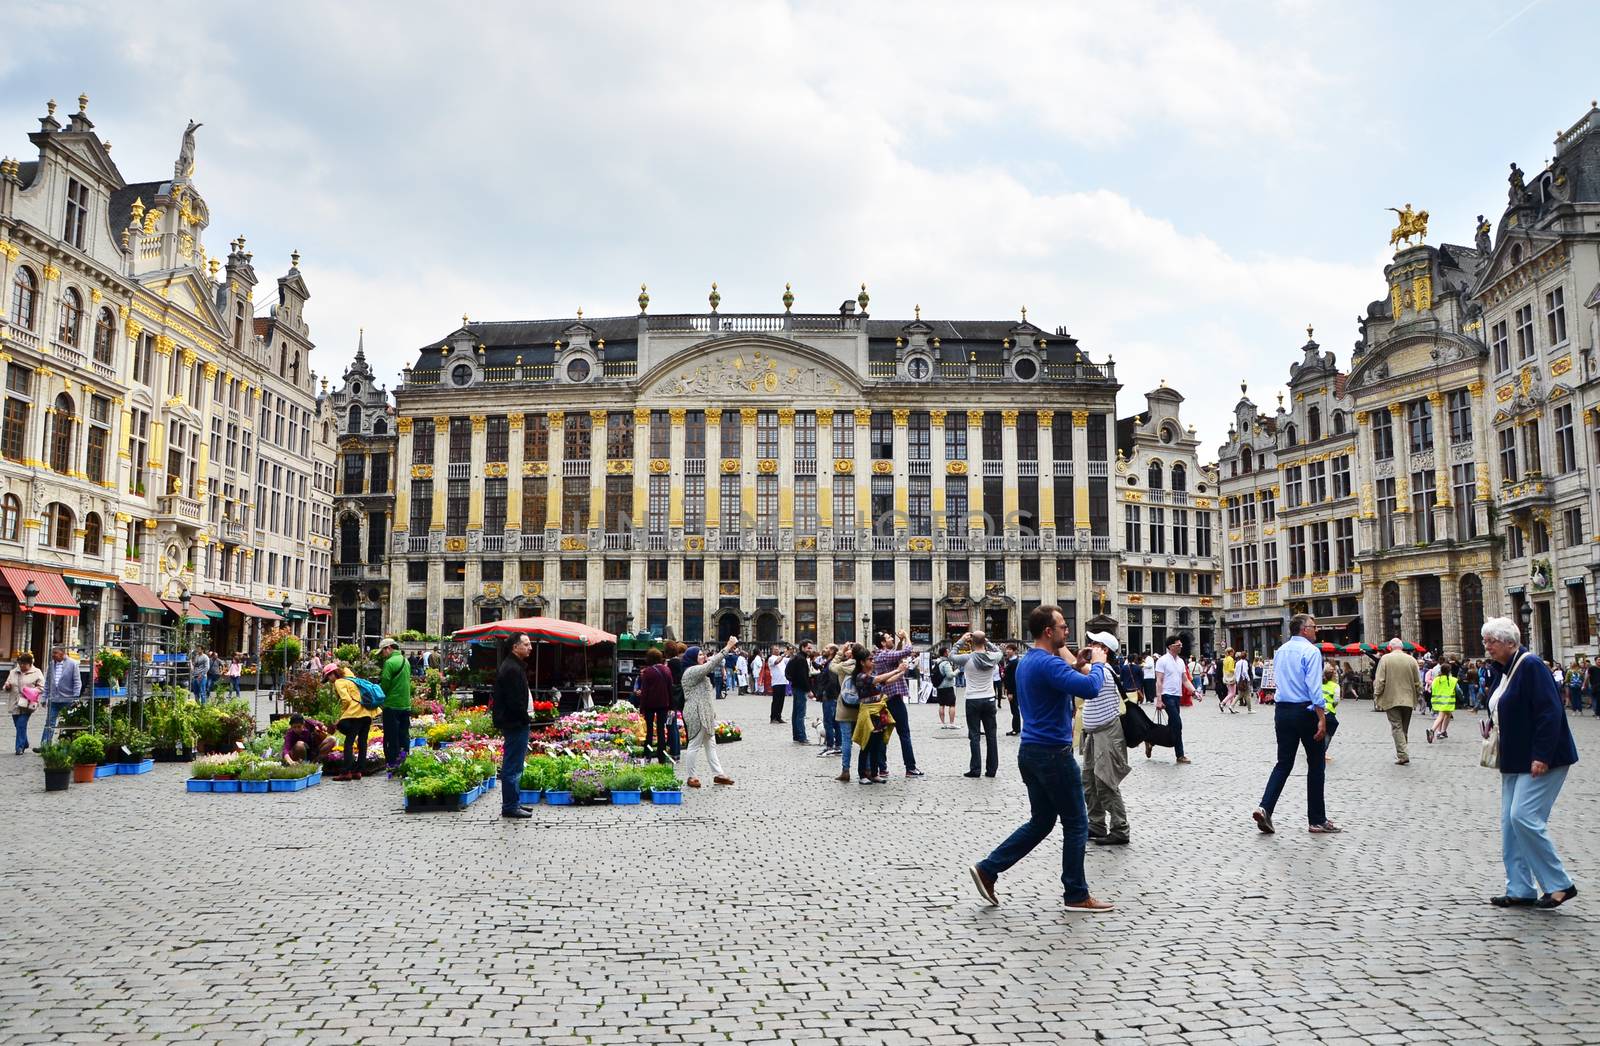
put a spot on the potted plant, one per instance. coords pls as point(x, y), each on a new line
point(626, 785)
point(57, 756)
point(255, 775)
point(588, 786)
point(111, 671)
point(663, 785)
point(87, 751)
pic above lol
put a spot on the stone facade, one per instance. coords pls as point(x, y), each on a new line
point(364, 510)
point(1171, 542)
point(785, 475)
point(143, 401)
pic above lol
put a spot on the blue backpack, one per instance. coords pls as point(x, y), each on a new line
point(372, 695)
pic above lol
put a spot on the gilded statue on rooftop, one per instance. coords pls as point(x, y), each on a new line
point(1412, 223)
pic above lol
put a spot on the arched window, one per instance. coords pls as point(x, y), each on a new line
point(1180, 477)
point(1289, 435)
point(325, 432)
point(380, 427)
point(294, 369)
point(71, 332)
point(91, 534)
point(1338, 423)
point(355, 417)
point(25, 298)
point(1249, 460)
point(1314, 423)
point(58, 526)
point(62, 425)
point(283, 360)
point(105, 337)
point(10, 518)
point(1154, 481)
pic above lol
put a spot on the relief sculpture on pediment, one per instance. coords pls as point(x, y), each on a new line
point(751, 372)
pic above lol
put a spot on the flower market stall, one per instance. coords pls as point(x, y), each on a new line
point(563, 652)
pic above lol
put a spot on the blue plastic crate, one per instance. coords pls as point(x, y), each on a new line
point(196, 784)
point(224, 786)
point(110, 691)
point(419, 742)
point(664, 798)
point(255, 786)
point(144, 766)
point(529, 798)
point(105, 770)
point(558, 798)
point(296, 784)
point(625, 798)
point(314, 779)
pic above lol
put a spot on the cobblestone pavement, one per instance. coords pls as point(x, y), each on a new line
point(791, 908)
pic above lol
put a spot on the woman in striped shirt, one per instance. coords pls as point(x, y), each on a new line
point(1105, 755)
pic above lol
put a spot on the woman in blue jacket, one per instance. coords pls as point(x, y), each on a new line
point(1535, 750)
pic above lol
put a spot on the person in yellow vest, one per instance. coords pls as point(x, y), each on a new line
point(1444, 702)
point(1230, 702)
point(1330, 694)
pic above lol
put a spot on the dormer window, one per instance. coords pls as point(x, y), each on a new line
point(461, 375)
point(918, 368)
point(578, 369)
point(1314, 423)
point(77, 213)
point(1026, 368)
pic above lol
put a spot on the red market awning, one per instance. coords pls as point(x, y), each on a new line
point(205, 606)
point(540, 630)
point(142, 597)
point(196, 616)
point(247, 609)
point(320, 612)
point(51, 598)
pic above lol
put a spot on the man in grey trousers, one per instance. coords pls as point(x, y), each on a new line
point(980, 660)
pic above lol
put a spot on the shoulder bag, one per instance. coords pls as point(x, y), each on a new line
point(1489, 753)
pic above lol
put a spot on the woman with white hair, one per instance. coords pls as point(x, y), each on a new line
point(1536, 749)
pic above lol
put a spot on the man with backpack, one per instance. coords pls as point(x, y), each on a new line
point(394, 676)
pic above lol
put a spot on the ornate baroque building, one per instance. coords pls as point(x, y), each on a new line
point(1289, 498)
point(1170, 576)
point(364, 511)
point(783, 474)
point(1540, 292)
point(157, 438)
point(1416, 386)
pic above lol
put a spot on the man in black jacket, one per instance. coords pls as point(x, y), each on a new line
point(798, 674)
point(510, 714)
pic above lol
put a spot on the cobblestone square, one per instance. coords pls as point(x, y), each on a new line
point(792, 908)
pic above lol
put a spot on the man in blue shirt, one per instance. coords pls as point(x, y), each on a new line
point(1300, 722)
point(1047, 688)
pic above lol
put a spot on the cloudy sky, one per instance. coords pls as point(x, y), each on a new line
point(1184, 187)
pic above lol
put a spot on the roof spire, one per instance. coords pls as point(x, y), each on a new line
point(1024, 314)
point(361, 346)
point(1308, 332)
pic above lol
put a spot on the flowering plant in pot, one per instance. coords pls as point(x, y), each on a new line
point(112, 666)
point(587, 785)
point(57, 756)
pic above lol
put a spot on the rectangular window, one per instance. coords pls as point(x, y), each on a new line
point(881, 435)
point(1099, 504)
point(1158, 582)
point(767, 503)
point(576, 438)
point(955, 436)
point(693, 570)
point(619, 436)
point(574, 569)
point(882, 504)
point(380, 473)
point(1203, 584)
point(767, 434)
point(1158, 531)
point(805, 569)
point(844, 570)
point(805, 435)
point(732, 434)
point(1458, 405)
point(460, 439)
point(694, 504)
point(535, 503)
point(1202, 534)
point(1027, 436)
point(1345, 544)
point(994, 504)
point(1531, 457)
point(1269, 506)
point(1524, 327)
point(1507, 438)
point(421, 505)
point(1500, 341)
point(1181, 583)
point(14, 434)
point(1463, 486)
point(98, 436)
point(1572, 527)
point(355, 468)
point(574, 504)
point(494, 506)
point(1341, 476)
point(660, 436)
point(731, 493)
point(1252, 567)
point(1132, 532)
point(618, 513)
point(1316, 482)
point(694, 440)
point(1423, 498)
point(921, 569)
point(1135, 581)
point(805, 503)
point(955, 505)
point(844, 434)
point(919, 505)
point(660, 497)
point(77, 213)
point(1180, 532)
point(1297, 551)
point(617, 569)
point(1555, 317)
point(919, 436)
point(1321, 553)
point(844, 503)
point(1578, 601)
point(1097, 437)
point(1382, 435)
point(993, 443)
point(497, 438)
point(1566, 444)
point(1419, 425)
point(536, 437)
point(1541, 538)
point(883, 570)
point(1293, 494)
point(845, 625)
point(1515, 547)
point(421, 441)
point(457, 498)
point(1387, 504)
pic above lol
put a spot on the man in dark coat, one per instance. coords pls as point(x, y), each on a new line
point(510, 714)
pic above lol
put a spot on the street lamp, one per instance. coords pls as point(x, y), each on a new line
point(866, 629)
point(1525, 617)
point(30, 592)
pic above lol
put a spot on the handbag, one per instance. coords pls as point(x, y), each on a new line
point(1489, 753)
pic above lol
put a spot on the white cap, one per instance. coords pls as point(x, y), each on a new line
point(1105, 639)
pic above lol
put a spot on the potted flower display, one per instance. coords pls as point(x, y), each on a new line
point(588, 787)
point(57, 756)
point(111, 672)
point(544, 711)
point(625, 784)
point(727, 733)
point(87, 751)
point(662, 784)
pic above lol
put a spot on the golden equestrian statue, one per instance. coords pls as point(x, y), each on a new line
point(1412, 223)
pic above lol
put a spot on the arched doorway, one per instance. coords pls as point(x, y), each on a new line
point(1471, 615)
point(768, 624)
point(728, 621)
point(1390, 618)
point(1430, 613)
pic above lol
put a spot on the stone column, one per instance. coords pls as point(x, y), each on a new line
point(713, 476)
point(641, 470)
point(786, 469)
point(441, 488)
point(1480, 450)
point(553, 492)
point(1450, 612)
point(1404, 533)
point(480, 451)
point(676, 441)
point(863, 473)
point(1080, 453)
point(975, 485)
point(747, 509)
point(514, 433)
point(597, 473)
point(1410, 619)
point(824, 488)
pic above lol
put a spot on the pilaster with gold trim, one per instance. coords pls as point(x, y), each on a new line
point(441, 471)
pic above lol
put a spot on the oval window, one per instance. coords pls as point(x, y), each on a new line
point(917, 367)
point(578, 370)
point(1025, 369)
point(461, 374)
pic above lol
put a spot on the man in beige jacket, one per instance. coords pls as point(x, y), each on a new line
point(1394, 693)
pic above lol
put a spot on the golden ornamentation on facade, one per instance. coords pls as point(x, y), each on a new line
point(402, 424)
point(1319, 585)
point(747, 415)
point(694, 543)
point(441, 424)
point(597, 417)
point(767, 466)
point(421, 471)
point(1436, 400)
point(714, 415)
point(1132, 495)
point(936, 417)
point(619, 467)
point(1135, 597)
point(531, 588)
point(1422, 293)
point(514, 421)
point(574, 544)
point(496, 470)
point(1397, 299)
point(455, 544)
point(558, 418)
point(164, 345)
point(1008, 418)
point(808, 543)
point(1080, 419)
point(863, 416)
point(1475, 388)
point(883, 468)
point(843, 466)
point(1361, 417)
point(1202, 502)
point(1397, 410)
point(974, 417)
point(133, 327)
point(10, 250)
point(1561, 366)
point(641, 415)
point(730, 466)
point(919, 545)
point(491, 590)
point(786, 416)
point(536, 468)
point(902, 416)
point(51, 273)
point(676, 415)
point(825, 416)
point(1047, 418)
point(1252, 599)
point(658, 466)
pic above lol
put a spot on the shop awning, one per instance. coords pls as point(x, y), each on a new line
point(247, 609)
point(88, 580)
point(320, 612)
point(205, 606)
point(142, 597)
point(295, 614)
point(52, 597)
point(196, 616)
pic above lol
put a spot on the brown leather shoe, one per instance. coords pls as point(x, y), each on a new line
point(722, 780)
point(1089, 904)
point(844, 775)
point(1183, 759)
point(693, 782)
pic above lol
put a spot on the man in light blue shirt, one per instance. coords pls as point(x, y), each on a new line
point(62, 685)
point(1300, 722)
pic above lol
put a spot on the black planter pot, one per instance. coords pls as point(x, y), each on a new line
point(57, 780)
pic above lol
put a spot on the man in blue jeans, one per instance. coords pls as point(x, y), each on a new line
point(1047, 688)
point(1300, 721)
point(797, 672)
point(509, 711)
point(1171, 674)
